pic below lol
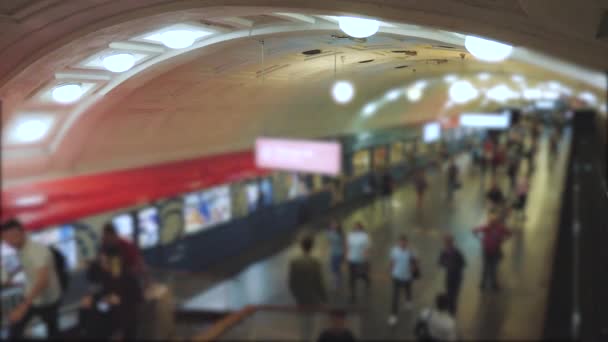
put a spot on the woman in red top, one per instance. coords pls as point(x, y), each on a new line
point(492, 236)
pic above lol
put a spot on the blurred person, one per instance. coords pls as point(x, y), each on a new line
point(387, 190)
point(492, 236)
point(337, 248)
point(453, 182)
point(495, 195)
point(337, 331)
point(305, 277)
point(42, 289)
point(358, 248)
point(554, 144)
point(436, 324)
point(521, 196)
point(130, 254)
point(452, 260)
point(513, 169)
point(421, 184)
point(403, 268)
point(110, 311)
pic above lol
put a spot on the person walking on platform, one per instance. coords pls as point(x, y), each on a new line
point(521, 197)
point(421, 185)
point(453, 182)
point(358, 249)
point(337, 331)
point(43, 288)
point(305, 277)
point(513, 168)
point(337, 247)
point(452, 260)
point(436, 324)
point(387, 191)
point(492, 236)
point(403, 267)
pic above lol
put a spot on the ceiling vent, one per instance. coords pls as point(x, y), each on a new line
point(366, 61)
point(311, 52)
point(436, 61)
point(401, 66)
point(406, 52)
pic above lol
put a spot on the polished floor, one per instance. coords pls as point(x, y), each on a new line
point(516, 312)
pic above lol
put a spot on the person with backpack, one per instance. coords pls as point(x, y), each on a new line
point(43, 289)
point(436, 324)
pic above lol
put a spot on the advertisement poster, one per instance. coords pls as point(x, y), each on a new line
point(266, 191)
point(149, 226)
point(63, 238)
point(207, 208)
point(125, 226)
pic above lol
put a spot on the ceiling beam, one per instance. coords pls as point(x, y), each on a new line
point(294, 17)
point(239, 22)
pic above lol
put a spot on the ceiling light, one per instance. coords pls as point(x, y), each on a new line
point(462, 92)
point(550, 94)
point(518, 79)
point(343, 92)
point(29, 129)
point(414, 94)
point(119, 62)
point(421, 84)
point(393, 95)
point(369, 109)
point(588, 97)
point(451, 78)
point(554, 85)
point(178, 39)
point(487, 50)
point(358, 27)
point(484, 76)
point(32, 200)
point(532, 94)
point(67, 93)
point(501, 93)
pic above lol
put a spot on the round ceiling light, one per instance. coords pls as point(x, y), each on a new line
point(343, 92)
point(484, 76)
point(369, 109)
point(414, 94)
point(393, 95)
point(30, 130)
point(358, 27)
point(177, 39)
point(462, 92)
point(451, 78)
point(119, 62)
point(588, 97)
point(487, 50)
point(532, 94)
point(518, 79)
point(501, 93)
point(67, 93)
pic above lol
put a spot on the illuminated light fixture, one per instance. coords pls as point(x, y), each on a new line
point(566, 90)
point(28, 201)
point(420, 84)
point(484, 76)
point(588, 97)
point(414, 94)
point(393, 95)
point(532, 94)
point(29, 129)
point(67, 93)
point(487, 50)
point(343, 92)
point(550, 95)
point(554, 85)
point(501, 93)
point(119, 62)
point(178, 39)
point(486, 120)
point(369, 109)
point(358, 27)
point(545, 104)
point(462, 92)
point(451, 78)
point(518, 79)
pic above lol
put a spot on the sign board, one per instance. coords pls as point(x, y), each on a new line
point(486, 120)
point(308, 156)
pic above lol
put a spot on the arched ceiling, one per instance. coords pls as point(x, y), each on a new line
point(222, 93)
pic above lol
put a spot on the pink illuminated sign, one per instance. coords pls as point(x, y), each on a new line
point(299, 155)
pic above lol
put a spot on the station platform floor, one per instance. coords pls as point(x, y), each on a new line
point(516, 312)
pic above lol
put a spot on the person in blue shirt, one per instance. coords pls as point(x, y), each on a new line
point(335, 235)
point(403, 268)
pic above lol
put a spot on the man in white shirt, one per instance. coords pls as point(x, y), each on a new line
point(441, 325)
point(42, 290)
point(402, 272)
point(358, 245)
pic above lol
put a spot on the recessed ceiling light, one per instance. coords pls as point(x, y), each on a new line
point(369, 109)
point(450, 78)
point(462, 92)
point(487, 50)
point(501, 93)
point(393, 95)
point(343, 92)
point(588, 97)
point(532, 94)
point(67, 93)
point(358, 27)
point(414, 93)
point(484, 76)
point(29, 128)
point(518, 79)
point(178, 39)
point(119, 62)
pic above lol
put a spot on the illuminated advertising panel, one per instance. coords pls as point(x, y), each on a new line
point(299, 155)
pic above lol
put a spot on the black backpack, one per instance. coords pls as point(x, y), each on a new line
point(61, 268)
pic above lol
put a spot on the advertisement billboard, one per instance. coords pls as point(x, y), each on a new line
point(207, 208)
point(299, 155)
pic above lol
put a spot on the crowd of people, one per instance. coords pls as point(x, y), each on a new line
point(351, 250)
point(109, 309)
